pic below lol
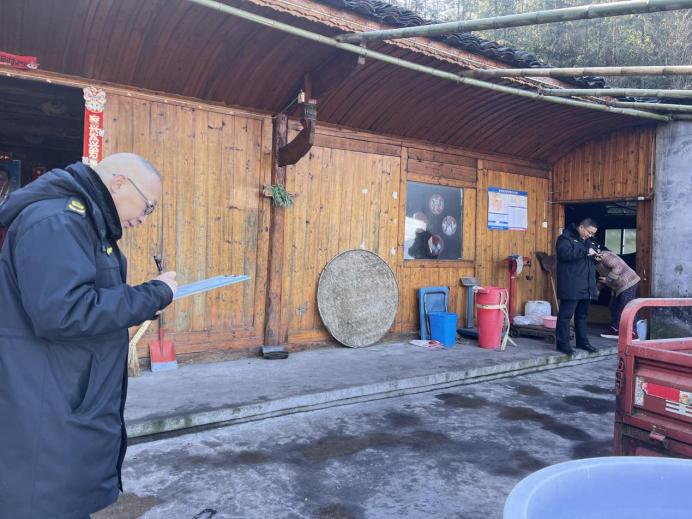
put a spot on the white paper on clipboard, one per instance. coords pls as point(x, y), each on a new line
point(205, 285)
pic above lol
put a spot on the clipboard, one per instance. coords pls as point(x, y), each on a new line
point(205, 285)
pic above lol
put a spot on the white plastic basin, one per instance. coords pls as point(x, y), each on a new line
point(605, 488)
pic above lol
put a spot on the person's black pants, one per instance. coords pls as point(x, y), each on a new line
point(579, 308)
point(618, 304)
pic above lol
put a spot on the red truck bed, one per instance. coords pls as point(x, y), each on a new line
point(653, 388)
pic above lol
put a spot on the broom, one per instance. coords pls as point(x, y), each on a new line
point(547, 263)
point(132, 359)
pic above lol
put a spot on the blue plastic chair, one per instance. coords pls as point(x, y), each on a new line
point(431, 299)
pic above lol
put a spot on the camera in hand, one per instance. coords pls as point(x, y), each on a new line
point(593, 244)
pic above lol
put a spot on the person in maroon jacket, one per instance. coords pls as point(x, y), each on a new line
point(623, 282)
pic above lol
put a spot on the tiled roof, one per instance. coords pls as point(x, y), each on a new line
point(400, 17)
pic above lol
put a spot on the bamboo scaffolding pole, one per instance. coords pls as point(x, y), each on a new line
point(677, 70)
point(653, 106)
point(564, 14)
point(614, 92)
point(361, 51)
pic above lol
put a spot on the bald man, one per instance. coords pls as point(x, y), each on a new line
point(66, 309)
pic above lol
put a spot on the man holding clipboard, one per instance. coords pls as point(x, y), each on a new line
point(66, 310)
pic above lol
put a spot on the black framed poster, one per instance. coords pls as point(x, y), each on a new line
point(433, 228)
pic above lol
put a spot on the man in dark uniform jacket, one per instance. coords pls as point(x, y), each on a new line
point(66, 310)
point(576, 282)
point(4, 191)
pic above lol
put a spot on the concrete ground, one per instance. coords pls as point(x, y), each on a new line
point(204, 395)
point(447, 453)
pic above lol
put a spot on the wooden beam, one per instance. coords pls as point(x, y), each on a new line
point(273, 335)
point(292, 152)
point(603, 199)
point(348, 143)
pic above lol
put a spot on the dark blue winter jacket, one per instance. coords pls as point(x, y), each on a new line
point(65, 309)
point(576, 271)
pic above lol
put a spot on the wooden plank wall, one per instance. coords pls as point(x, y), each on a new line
point(437, 167)
point(211, 219)
point(495, 245)
point(348, 198)
point(617, 166)
point(352, 194)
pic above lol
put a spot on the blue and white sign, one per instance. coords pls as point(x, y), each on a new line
point(508, 209)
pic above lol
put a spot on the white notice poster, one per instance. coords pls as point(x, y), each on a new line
point(508, 209)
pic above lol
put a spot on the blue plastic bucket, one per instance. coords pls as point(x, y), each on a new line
point(443, 327)
point(605, 488)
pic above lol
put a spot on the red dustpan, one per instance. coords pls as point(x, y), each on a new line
point(162, 352)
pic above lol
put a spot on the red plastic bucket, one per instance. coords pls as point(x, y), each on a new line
point(490, 320)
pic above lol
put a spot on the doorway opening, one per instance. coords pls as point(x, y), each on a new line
point(617, 232)
point(41, 128)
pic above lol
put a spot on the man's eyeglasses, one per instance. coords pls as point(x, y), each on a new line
point(150, 206)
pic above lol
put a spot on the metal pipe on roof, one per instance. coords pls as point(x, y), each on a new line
point(676, 70)
point(361, 51)
point(564, 14)
point(652, 106)
point(614, 92)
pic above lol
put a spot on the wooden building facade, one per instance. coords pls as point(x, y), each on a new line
point(380, 128)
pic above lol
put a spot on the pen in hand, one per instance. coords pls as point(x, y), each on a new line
point(159, 263)
point(166, 277)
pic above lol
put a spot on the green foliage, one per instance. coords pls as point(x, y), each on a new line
point(647, 39)
point(281, 197)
